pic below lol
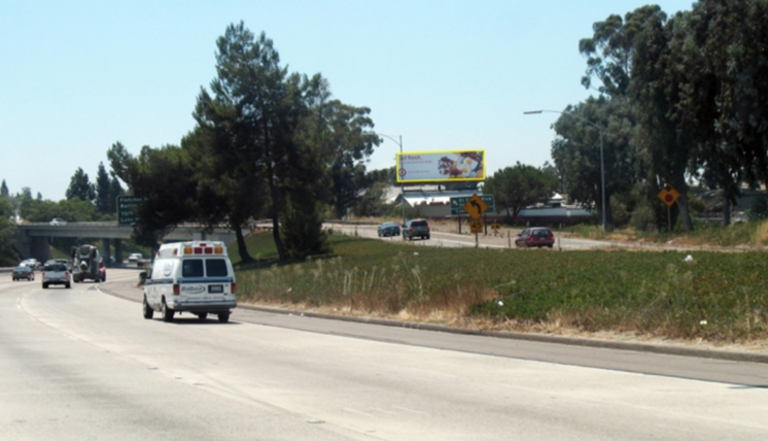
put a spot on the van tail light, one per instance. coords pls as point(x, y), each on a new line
point(43, 274)
point(66, 275)
point(233, 288)
point(176, 289)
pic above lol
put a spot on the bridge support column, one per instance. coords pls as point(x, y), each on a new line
point(118, 251)
point(21, 244)
point(105, 251)
point(39, 248)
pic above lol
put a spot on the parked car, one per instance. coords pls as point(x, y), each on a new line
point(32, 263)
point(23, 272)
point(58, 221)
point(535, 237)
point(389, 229)
point(416, 228)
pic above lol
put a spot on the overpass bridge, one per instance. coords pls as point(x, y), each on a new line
point(33, 239)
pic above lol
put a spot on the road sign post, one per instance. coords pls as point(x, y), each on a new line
point(475, 206)
point(458, 202)
point(669, 195)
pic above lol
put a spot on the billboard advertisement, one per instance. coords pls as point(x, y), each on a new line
point(441, 166)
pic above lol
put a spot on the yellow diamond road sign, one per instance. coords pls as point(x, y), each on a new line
point(668, 195)
point(475, 206)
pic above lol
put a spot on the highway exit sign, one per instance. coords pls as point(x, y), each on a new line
point(126, 209)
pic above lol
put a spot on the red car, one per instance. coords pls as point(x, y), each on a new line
point(535, 237)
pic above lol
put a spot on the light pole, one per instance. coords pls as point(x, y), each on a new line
point(399, 142)
point(602, 164)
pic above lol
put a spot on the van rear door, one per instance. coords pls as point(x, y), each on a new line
point(192, 286)
point(218, 279)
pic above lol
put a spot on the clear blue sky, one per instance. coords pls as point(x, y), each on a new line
point(78, 76)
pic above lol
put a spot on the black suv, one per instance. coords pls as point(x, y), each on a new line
point(416, 228)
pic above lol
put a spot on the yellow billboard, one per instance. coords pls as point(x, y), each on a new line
point(441, 166)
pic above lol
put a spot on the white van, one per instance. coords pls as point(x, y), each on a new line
point(195, 277)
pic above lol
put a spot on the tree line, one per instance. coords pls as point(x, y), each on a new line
point(267, 144)
point(683, 100)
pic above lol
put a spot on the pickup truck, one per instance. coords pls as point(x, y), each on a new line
point(56, 274)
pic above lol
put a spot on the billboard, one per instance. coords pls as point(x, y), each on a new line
point(441, 166)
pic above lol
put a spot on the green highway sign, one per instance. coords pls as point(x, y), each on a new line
point(126, 215)
point(457, 204)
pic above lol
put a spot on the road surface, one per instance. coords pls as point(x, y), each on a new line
point(81, 364)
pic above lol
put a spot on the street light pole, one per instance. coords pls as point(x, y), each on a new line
point(602, 163)
point(399, 142)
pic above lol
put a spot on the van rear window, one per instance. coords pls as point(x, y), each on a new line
point(215, 267)
point(192, 268)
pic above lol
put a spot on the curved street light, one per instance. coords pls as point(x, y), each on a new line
point(602, 164)
point(399, 142)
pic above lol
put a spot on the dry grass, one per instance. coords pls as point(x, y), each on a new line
point(719, 297)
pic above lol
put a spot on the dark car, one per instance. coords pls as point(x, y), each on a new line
point(23, 272)
point(389, 229)
point(416, 228)
point(535, 237)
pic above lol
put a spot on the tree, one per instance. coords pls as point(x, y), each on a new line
point(253, 87)
point(115, 190)
point(4, 190)
point(576, 151)
point(520, 186)
point(164, 176)
point(26, 193)
point(341, 135)
point(8, 255)
point(656, 91)
point(611, 48)
point(103, 192)
point(80, 187)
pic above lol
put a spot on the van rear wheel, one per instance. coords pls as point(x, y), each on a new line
point(202, 316)
point(167, 313)
point(147, 310)
point(223, 317)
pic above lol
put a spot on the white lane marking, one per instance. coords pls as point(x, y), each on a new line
point(410, 410)
point(359, 412)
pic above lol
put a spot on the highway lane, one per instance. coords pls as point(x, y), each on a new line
point(80, 364)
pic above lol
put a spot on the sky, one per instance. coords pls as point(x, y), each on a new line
point(78, 76)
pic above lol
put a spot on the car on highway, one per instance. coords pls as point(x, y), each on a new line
point(58, 221)
point(32, 263)
point(389, 229)
point(416, 228)
point(56, 274)
point(23, 272)
point(535, 237)
point(135, 257)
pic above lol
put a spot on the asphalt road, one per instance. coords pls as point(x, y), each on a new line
point(81, 364)
point(454, 240)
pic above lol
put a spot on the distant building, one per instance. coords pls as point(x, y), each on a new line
point(434, 201)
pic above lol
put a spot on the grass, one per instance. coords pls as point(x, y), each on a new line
point(719, 297)
point(743, 234)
